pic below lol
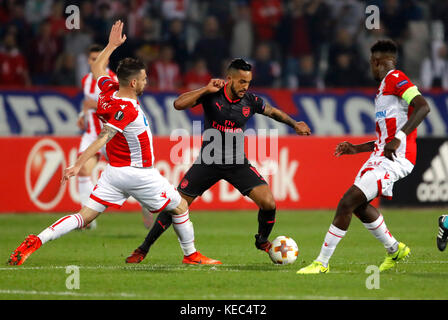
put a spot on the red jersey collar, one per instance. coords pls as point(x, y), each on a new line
point(227, 97)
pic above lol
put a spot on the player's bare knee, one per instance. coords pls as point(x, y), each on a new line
point(345, 206)
point(88, 215)
point(181, 208)
point(267, 203)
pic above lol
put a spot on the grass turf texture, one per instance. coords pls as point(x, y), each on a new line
point(246, 273)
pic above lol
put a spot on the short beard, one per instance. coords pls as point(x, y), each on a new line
point(235, 94)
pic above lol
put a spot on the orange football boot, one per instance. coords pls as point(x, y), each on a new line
point(28, 246)
point(137, 256)
point(198, 258)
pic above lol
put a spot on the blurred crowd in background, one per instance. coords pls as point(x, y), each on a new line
point(290, 43)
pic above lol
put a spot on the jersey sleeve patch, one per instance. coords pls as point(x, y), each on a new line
point(105, 83)
point(402, 83)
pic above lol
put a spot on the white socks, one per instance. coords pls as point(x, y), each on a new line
point(85, 187)
point(332, 238)
point(185, 232)
point(379, 230)
point(61, 227)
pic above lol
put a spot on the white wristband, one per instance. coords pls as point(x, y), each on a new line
point(400, 135)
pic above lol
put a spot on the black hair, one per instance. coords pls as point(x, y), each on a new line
point(385, 46)
point(94, 48)
point(127, 68)
point(239, 64)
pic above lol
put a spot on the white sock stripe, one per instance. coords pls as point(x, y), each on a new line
point(375, 224)
point(182, 221)
point(336, 231)
point(80, 220)
point(77, 219)
point(379, 230)
point(181, 215)
point(59, 221)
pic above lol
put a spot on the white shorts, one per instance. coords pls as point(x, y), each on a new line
point(378, 175)
point(146, 185)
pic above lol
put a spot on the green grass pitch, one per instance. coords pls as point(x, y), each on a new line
point(246, 273)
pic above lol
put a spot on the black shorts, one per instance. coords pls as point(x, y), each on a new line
point(201, 177)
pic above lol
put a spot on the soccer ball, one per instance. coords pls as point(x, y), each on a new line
point(284, 250)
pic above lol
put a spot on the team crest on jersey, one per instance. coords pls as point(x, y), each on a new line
point(184, 183)
point(119, 115)
point(246, 111)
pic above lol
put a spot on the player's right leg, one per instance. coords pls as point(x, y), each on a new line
point(56, 230)
point(442, 235)
point(161, 224)
point(197, 179)
point(374, 221)
point(185, 232)
point(106, 194)
point(85, 184)
point(351, 200)
point(251, 183)
point(158, 195)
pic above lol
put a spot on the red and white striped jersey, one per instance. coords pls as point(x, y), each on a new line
point(392, 111)
point(92, 91)
point(132, 145)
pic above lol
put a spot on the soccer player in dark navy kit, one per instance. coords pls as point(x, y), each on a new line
point(227, 107)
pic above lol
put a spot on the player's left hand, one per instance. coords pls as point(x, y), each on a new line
point(69, 172)
point(302, 128)
point(390, 148)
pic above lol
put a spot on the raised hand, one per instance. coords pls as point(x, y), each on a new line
point(116, 36)
point(215, 84)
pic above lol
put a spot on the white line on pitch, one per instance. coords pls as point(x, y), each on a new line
point(66, 293)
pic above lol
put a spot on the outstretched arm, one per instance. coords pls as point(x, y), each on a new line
point(190, 99)
point(421, 109)
point(348, 148)
point(105, 136)
point(300, 127)
point(116, 38)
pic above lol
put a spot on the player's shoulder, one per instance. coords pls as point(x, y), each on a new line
point(396, 76)
point(254, 98)
point(251, 96)
point(396, 82)
point(107, 84)
point(105, 78)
